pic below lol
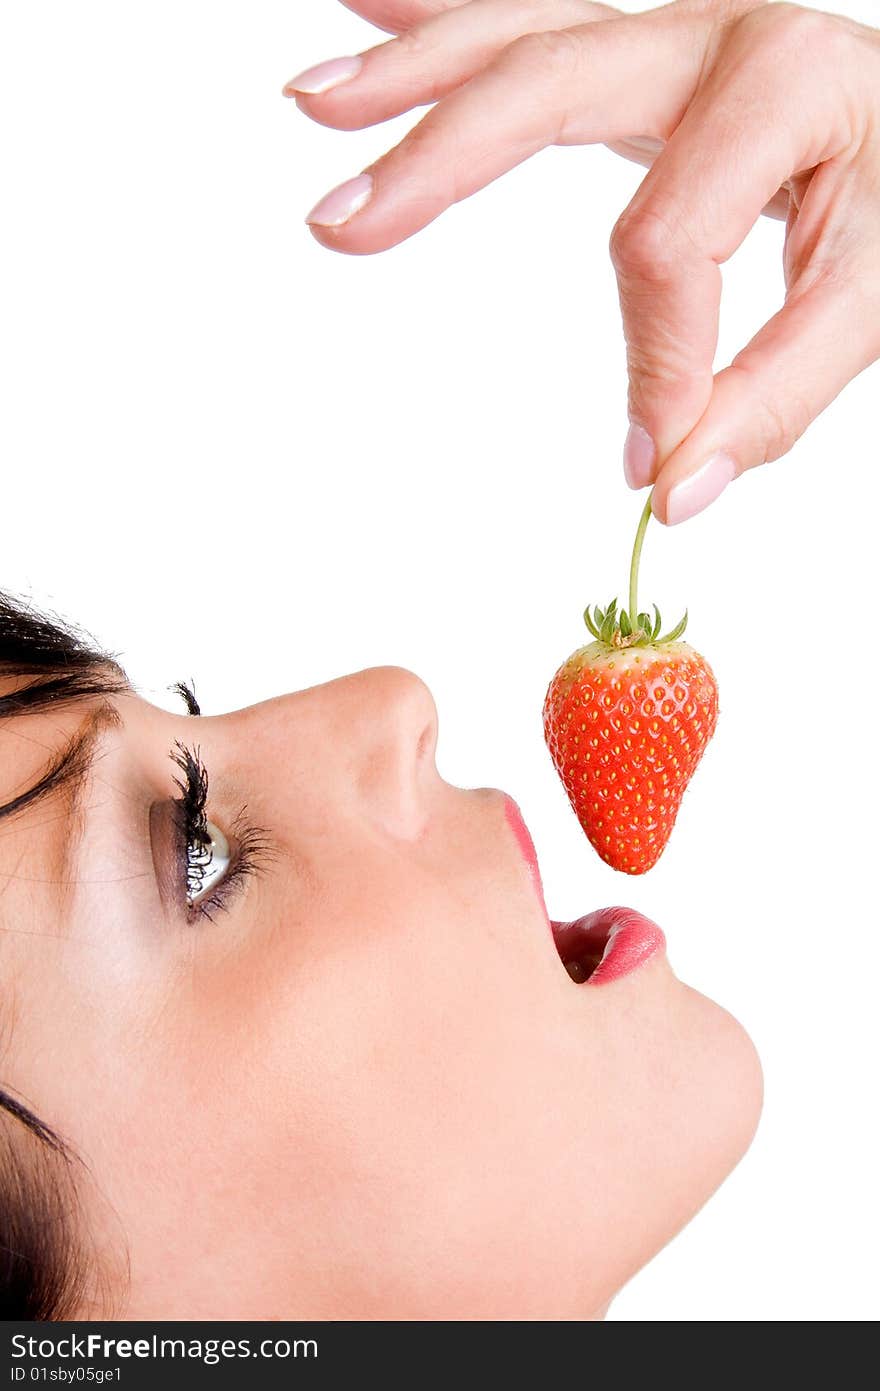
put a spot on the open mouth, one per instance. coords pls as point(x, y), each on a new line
point(607, 944)
point(598, 948)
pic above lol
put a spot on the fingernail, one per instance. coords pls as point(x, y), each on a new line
point(323, 77)
point(639, 453)
point(691, 495)
point(342, 203)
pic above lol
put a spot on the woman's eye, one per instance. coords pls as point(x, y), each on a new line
point(207, 861)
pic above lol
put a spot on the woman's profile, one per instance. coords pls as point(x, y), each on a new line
point(296, 1037)
point(287, 1032)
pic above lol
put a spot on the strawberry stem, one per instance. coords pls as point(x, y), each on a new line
point(627, 627)
point(634, 564)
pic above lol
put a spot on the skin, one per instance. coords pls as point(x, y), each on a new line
point(739, 107)
point(368, 1089)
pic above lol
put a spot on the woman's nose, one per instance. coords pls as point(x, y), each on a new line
point(392, 727)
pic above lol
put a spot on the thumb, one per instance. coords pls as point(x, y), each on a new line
point(775, 388)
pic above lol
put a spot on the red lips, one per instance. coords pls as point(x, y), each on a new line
point(601, 947)
point(607, 944)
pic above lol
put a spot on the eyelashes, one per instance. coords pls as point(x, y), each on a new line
point(194, 837)
point(196, 845)
point(186, 691)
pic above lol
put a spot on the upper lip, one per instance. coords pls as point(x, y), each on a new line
point(603, 945)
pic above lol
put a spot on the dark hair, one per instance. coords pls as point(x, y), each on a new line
point(44, 662)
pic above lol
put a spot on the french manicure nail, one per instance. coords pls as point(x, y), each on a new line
point(639, 454)
point(323, 77)
point(340, 205)
point(691, 495)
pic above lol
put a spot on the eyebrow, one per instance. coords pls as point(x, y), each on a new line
point(70, 768)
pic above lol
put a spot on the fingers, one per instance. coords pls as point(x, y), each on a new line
point(427, 62)
point(670, 295)
point(735, 119)
point(722, 166)
point(585, 84)
point(774, 389)
point(397, 15)
point(826, 334)
point(640, 150)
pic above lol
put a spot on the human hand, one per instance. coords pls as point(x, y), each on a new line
point(749, 107)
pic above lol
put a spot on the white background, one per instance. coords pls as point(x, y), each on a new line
point(237, 457)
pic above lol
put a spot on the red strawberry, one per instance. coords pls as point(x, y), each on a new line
point(627, 719)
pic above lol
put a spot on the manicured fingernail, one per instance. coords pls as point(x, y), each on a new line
point(323, 77)
point(339, 206)
point(639, 453)
point(693, 494)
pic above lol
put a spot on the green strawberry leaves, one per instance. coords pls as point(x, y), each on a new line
point(629, 627)
point(616, 628)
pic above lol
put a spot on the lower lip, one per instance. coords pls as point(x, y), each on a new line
point(619, 939)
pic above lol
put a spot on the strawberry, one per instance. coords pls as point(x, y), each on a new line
point(627, 719)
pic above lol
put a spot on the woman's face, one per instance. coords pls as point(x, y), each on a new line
point(365, 1086)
